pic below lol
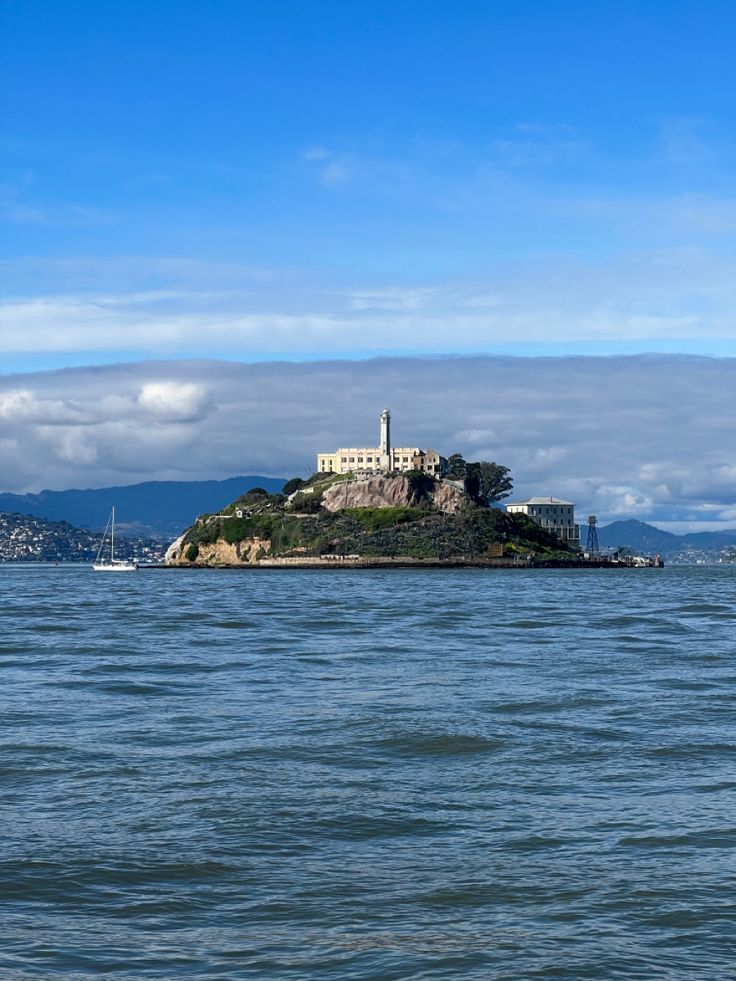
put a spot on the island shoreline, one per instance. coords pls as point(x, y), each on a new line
point(400, 563)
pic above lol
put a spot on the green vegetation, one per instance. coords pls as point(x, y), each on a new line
point(285, 535)
point(485, 482)
point(256, 526)
point(375, 519)
point(307, 503)
point(291, 485)
point(303, 527)
point(456, 467)
point(321, 481)
point(421, 484)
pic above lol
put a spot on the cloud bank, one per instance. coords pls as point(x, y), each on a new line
point(648, 436)
point(127, 309)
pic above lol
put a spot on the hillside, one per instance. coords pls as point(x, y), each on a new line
point(24, 538)
point(154, 509)
point(409, 516)
point(637, 535)
point(642, 537)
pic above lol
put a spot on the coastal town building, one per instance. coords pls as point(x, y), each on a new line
point(552, 514)
point(383, 458)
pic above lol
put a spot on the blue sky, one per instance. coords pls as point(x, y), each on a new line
point(333, 182)
point(257, 180)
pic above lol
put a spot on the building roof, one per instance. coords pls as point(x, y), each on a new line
point(543, 500)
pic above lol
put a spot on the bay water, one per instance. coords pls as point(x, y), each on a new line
point(472, 774)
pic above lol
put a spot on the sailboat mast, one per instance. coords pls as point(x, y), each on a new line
point(112, 536)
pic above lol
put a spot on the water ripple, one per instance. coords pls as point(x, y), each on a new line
point(382, 775)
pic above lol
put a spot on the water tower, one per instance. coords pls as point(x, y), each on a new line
point(591, 546)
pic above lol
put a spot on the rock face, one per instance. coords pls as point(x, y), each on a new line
point(389, 492)
point(448, 497)
point(173, 552)
point(220, 552)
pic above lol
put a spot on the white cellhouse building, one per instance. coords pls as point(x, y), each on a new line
point(552, 514)
point(381, 459)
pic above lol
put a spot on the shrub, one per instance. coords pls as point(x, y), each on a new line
point(192, 553)
point(203, 532)
point(237, 529)
point(285, 535)
point(307, 503)
point(374, 519)
point(291, 485)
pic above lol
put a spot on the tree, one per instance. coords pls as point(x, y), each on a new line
point(292, 485)
point(421, 485)
point(456, 466)
point(488, 482)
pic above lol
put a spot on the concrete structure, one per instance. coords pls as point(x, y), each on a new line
point(383, 458)
point(552, 514)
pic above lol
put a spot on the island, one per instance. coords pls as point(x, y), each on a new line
point(367, 520)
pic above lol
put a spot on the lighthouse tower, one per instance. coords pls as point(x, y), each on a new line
point(386, 440)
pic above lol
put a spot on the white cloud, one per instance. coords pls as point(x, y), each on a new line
point(665, 299)
point(648, 436)
point(184, 402)
point(22, 404)
point(625, 501)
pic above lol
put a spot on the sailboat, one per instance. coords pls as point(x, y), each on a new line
point(111, 564)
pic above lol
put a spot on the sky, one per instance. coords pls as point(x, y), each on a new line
point(314, 185)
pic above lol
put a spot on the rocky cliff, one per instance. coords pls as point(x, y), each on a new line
point(392, 492)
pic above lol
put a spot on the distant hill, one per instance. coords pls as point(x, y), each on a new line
point(710, 539)
point(637, 535)
point(156, 508)
point(24, 538)
point(643, 537)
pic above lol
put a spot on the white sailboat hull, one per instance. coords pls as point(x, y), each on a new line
point(117, 567)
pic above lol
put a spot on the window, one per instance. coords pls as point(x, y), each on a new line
point(352, 459)
point(343, 459)
point(369, 459)
point(360, 459)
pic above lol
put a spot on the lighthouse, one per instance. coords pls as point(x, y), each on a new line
point(385, 443)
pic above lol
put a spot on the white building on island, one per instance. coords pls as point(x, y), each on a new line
point(381, 459)
point(551, 514)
